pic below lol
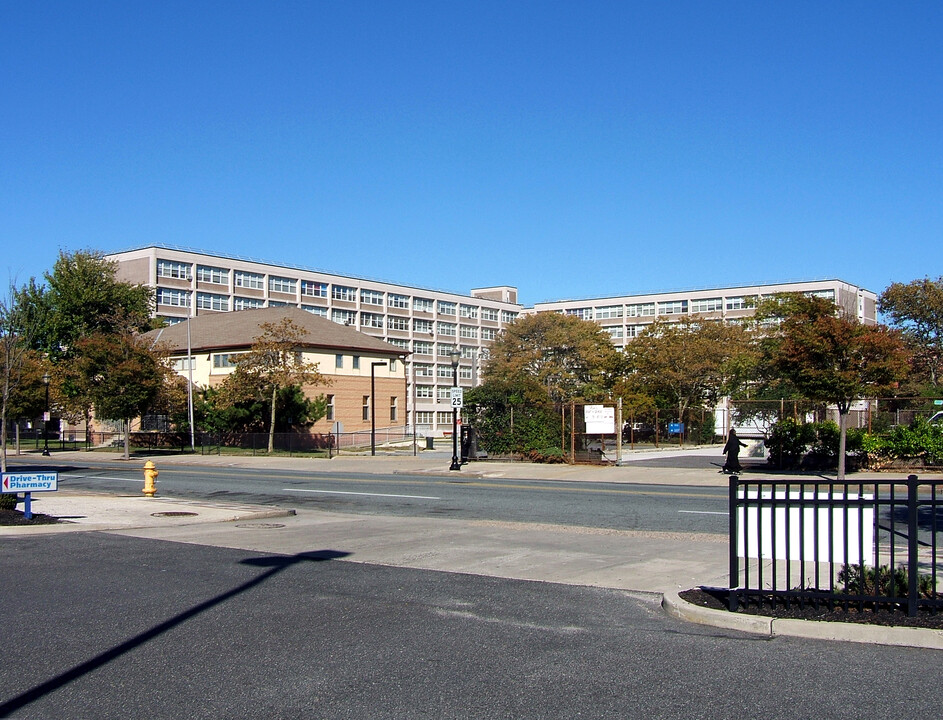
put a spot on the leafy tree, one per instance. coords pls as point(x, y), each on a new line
point(28, 397)
point(507, 423)
point(568, 357)
point(916, 308)
point(536, 363)
point(688, 363)
point(18, 365)
point(831, 358)
point(120, 374)
point(274, 363)
point(82, 297)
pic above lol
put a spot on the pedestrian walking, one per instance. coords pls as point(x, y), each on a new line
point(732, 451)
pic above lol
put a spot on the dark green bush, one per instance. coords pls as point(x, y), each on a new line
point(788, 442)
point(811, 446)
point(8, 501)
point(866, 580)
point(919, 442)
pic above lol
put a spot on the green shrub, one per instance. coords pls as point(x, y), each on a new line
point(823, 451)
point(787, 443)
point(866, 580)
point(8, 501)
point(919, 441)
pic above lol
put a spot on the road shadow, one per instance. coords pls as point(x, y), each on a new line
point(275, 565)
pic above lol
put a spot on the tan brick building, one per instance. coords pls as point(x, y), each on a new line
point(352, 362)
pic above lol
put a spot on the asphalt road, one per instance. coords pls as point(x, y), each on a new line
point(584, 504)
point(104, 626)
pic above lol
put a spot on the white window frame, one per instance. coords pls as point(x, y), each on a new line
point(212, 301)
point(212, 275)
point(284, 285)
point(243, 279)
point(344, 293)
point(313, 288)
point(706, 305)
point(372, 320)
point(344, 317)
point(609, 311)
point(371, 297)
point(172, 297)
point(673, 307)
point(243, 303)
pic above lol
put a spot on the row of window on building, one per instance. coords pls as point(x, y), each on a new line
point(365, 408)
point(308, 288)
point(423, 417)
point(675, 307)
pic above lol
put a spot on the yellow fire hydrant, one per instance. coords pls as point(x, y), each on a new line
point(150, 476)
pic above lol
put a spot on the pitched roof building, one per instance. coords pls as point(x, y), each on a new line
point(362, 374)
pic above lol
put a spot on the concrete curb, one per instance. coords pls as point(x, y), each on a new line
point(809, 629)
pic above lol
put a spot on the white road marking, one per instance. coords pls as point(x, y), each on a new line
point(702, 512)
point(343, 492)
point(105, 477)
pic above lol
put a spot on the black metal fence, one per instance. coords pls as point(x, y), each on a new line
point(861, 544)
point(395, 439)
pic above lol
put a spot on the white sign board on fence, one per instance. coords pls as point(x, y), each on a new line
point(599, 419)
point(808, 539)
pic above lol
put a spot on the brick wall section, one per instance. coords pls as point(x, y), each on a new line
point(349, 391)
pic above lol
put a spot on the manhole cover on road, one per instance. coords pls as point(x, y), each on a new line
point(174, 513)
point(261, 526)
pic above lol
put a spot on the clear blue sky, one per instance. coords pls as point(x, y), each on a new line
point(572, 149)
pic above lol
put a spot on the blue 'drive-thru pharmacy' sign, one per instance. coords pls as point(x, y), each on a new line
point(17, 482)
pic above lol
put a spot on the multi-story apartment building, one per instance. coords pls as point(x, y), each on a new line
point(428, 324)
point(625, 316)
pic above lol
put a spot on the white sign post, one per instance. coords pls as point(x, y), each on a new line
point(28, 483)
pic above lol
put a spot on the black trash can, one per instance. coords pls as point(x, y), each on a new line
point(430, 443)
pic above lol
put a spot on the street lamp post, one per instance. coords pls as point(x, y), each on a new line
point(373, 406)
point(454, 357)
point(46, 380)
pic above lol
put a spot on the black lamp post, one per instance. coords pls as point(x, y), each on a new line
point(454, 357)
point(46, 380)
point(373, 406)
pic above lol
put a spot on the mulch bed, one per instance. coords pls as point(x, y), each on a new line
point(716, 599)
point(16, 517)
